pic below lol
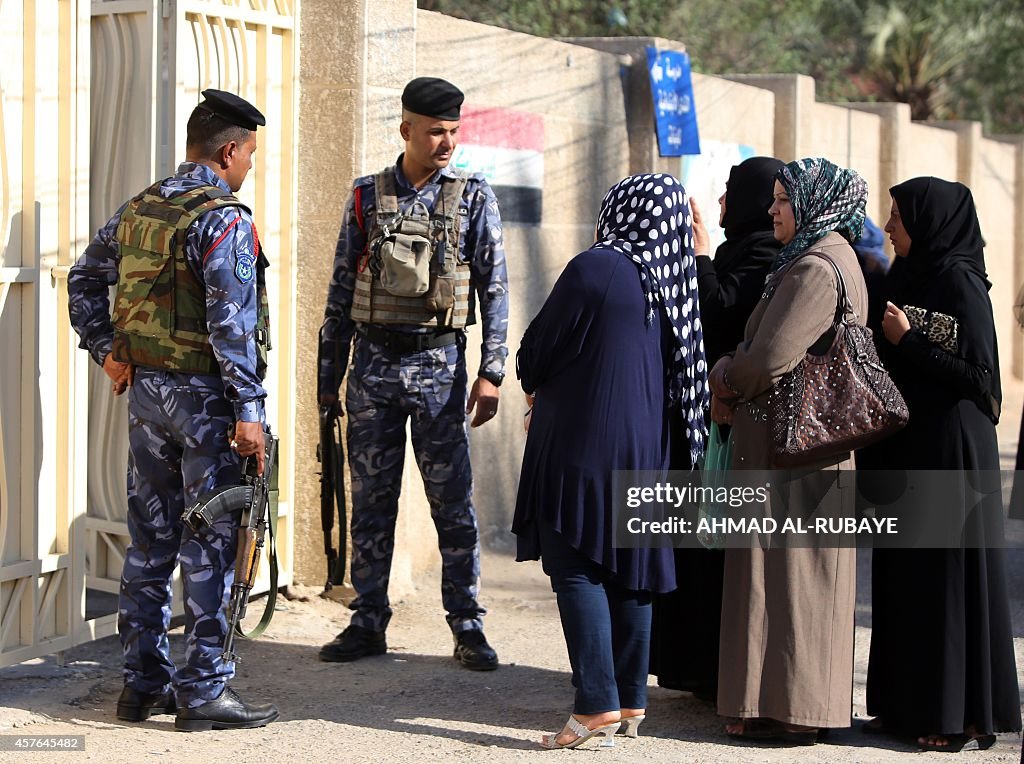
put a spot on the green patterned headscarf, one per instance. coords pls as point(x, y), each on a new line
point(825, 198)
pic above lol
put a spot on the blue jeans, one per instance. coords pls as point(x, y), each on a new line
point(607, 628)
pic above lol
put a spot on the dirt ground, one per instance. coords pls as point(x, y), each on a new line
point(415, 704)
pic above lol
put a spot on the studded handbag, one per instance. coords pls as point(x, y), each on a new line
point(834, 403)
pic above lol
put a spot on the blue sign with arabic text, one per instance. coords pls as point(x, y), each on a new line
point(675, 113)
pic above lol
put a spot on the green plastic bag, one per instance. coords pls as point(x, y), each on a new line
point(717, 461)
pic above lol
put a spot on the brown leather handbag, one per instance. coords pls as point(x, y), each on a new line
point(834, 403)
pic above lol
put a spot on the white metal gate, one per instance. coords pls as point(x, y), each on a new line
point(44, 108)
point(63, 437)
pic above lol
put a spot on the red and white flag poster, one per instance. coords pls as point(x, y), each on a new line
point(508, 148)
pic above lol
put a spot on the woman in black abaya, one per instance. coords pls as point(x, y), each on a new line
point(686, 623)
point(942, 664)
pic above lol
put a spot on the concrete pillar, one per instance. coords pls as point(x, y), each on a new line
point(794, 99)
point(331, 95)
point(968, 137)
point(1018, 249)
point(356, 57)
point(895, 129)
point(1017, 346)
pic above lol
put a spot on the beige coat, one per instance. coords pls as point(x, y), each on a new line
point(787, 614)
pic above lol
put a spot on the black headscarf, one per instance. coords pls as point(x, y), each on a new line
point(731, 284)
point(748, 195)
point(941, 220)
point(945, 271)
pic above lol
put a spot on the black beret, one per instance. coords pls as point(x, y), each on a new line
point(433, 97)
point(233, 109)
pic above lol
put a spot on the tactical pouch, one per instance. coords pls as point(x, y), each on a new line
point(405, 264)
point(441, 295)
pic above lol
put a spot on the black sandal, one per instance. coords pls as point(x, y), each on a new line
point(958, 743)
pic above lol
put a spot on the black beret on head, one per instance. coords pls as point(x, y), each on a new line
point(233, 109)
point(433, 97)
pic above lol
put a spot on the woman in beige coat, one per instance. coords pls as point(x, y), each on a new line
point(786, 667)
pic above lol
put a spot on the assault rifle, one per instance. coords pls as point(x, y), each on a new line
point(332, 493)
point(252, 494)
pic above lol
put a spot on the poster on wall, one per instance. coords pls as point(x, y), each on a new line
point(507, 147)
point(675, 113)
point(704, 177)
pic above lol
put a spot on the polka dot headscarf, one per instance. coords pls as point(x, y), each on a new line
point(647, 218)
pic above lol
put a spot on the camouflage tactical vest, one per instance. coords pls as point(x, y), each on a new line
point(385, 292)
point(159, 311)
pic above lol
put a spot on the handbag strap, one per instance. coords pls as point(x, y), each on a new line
point(843, 305)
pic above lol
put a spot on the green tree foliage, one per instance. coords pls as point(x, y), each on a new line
point(948, 59)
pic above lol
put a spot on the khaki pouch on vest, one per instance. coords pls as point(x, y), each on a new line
point(441, 295)
point(405, 264)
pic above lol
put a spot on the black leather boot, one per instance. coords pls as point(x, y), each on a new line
point(473, 652)
point(352, 644)
point(135, 706)
point(228, 712)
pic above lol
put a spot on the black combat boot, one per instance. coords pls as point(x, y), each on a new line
point(352, 644)
point(473, 652)
point(228, 712)
point(135, 706)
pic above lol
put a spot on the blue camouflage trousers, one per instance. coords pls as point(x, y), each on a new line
point(178, 450)
point(428, 389)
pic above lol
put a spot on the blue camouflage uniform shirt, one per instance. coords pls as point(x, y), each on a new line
point(214, 244)
point(480, 244)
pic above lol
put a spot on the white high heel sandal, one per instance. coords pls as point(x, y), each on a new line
point(575, 726)
point(630, 725)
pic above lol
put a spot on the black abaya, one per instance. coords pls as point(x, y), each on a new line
point(942, 659)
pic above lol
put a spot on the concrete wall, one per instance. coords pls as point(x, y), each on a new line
point(579, 95)
point(732, 112)
point(593, 97)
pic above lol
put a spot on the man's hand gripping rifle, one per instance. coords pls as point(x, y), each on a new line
point(252, 494)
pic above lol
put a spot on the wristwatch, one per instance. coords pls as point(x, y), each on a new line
point(494, 377)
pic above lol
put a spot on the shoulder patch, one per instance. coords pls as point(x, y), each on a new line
point(245, 268)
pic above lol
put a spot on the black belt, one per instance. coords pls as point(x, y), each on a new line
point(406, 342)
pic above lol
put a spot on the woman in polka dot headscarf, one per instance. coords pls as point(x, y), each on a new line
point(648, 219)
point(616, 361)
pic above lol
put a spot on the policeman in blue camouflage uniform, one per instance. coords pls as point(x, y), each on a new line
point(187, 340)
point(419, 247)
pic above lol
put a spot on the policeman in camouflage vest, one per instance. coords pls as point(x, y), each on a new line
point(420, 247)
point(187, 337)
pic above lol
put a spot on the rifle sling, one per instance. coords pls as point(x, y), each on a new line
point(268, 609)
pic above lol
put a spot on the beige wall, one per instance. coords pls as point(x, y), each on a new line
point(732, 112)
point(581, 104)
point(594, 98)
point(930, 151)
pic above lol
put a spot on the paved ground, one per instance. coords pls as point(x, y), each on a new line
point(415, 704)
